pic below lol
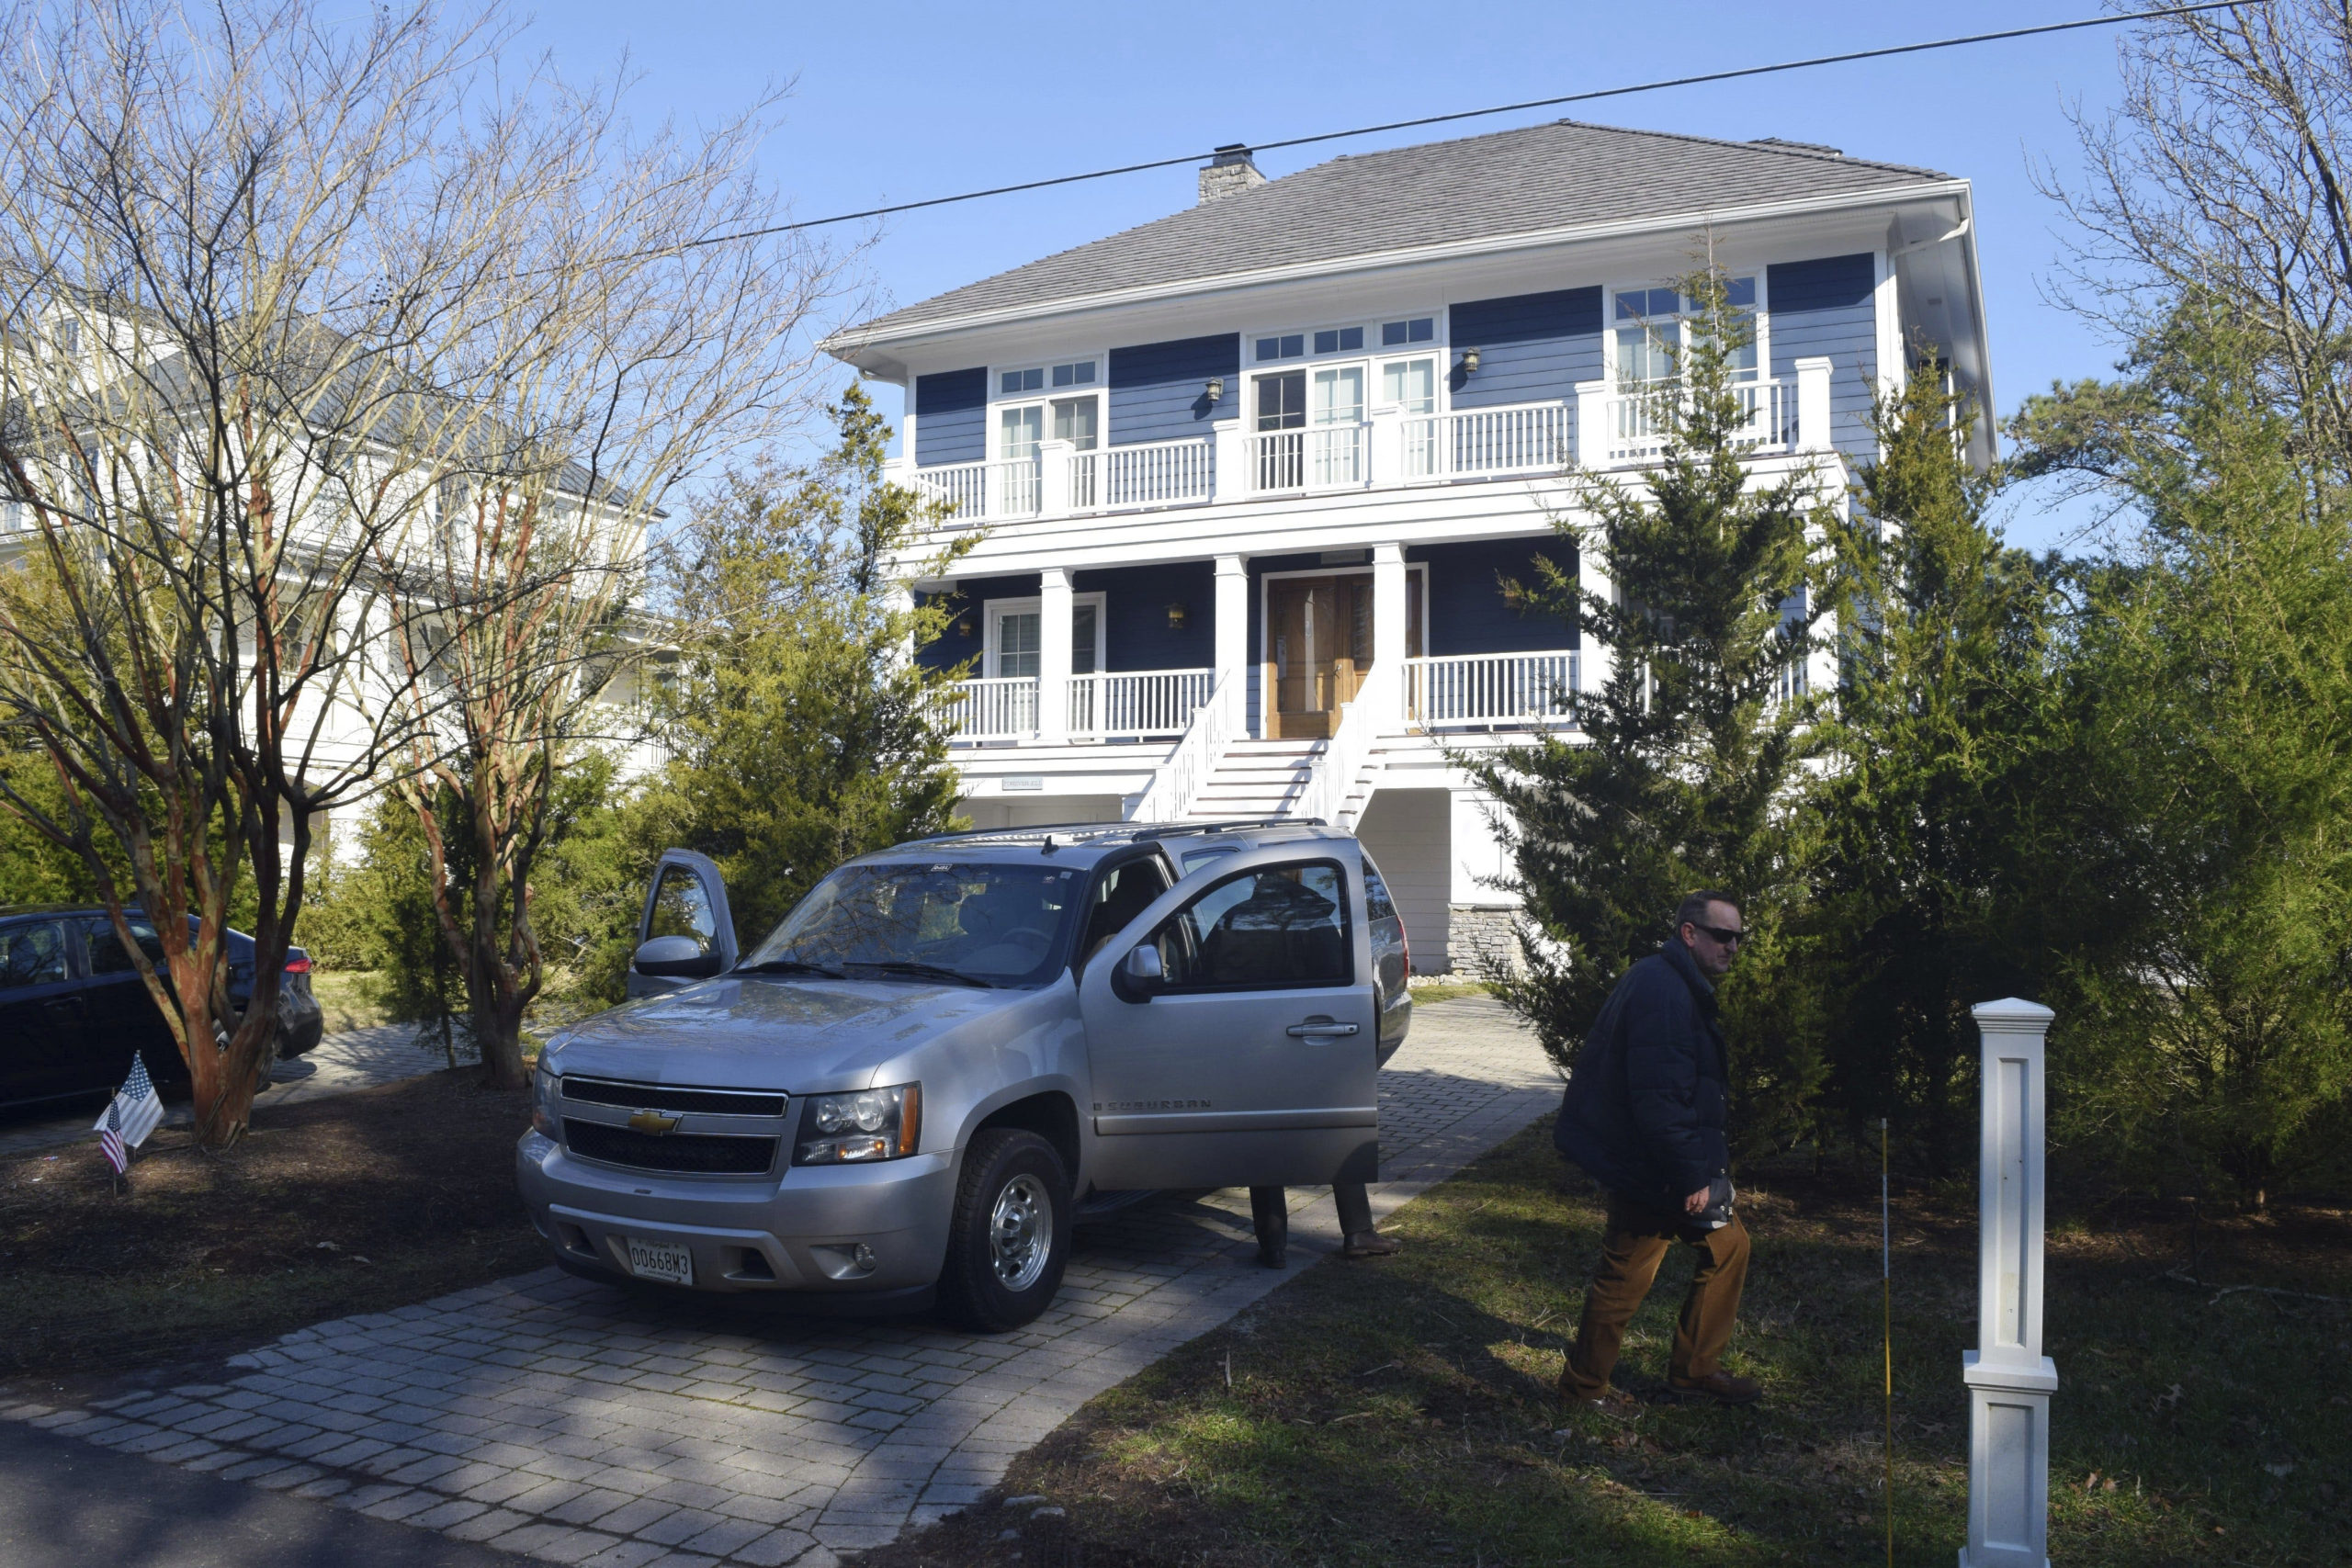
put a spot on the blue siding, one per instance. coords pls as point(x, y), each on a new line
point(1158, 389)
point(1466, 612)
point(970, 596)
point(1531, 347)
point(1827, 308)
point(952, 417)
point(1135, 634)
point(1830, 283)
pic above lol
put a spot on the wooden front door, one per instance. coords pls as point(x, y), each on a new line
point(1319, 645)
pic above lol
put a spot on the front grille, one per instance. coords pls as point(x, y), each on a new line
point(699, 1153)
point(662, 1097)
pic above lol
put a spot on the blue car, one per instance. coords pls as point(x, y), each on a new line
point(72, 1008)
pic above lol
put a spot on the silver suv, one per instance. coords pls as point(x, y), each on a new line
point(951, 1049)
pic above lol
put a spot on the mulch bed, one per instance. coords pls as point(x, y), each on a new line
point(355, 1204)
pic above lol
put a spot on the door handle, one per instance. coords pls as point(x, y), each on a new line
point(1320, 1028)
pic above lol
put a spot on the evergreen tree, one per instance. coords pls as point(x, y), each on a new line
point(801, 732)
point(1933, 752)
point(2201, 894)
point(1680, 776)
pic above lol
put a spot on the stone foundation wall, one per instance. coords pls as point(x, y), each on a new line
point(1481, 940)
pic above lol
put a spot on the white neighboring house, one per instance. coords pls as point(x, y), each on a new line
point(1247, 478)
point(432, 496)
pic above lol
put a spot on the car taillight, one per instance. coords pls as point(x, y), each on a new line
point(1406, 938)
point(298, 967)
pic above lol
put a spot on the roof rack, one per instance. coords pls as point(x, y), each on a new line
point(1180, 829)
point(1133, 832)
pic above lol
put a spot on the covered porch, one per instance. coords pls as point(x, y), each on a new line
point(1421, 637)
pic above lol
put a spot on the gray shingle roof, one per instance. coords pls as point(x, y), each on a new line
point(1541, 178)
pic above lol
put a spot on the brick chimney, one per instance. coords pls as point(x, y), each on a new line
point(1229, 171)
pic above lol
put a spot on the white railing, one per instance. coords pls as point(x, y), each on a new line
point(1003, 708)
point(1144, 702)
point(1325, 457)
point(1150, 473)
point(1008, 488)
point(1639, 418)
point(1521, 438)
point(1332, 778)
point(1512, 689)
point(1178, 783)
point(963, 488)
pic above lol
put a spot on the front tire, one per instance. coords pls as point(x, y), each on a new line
point(1009, 1239)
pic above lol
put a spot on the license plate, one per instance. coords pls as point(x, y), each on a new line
point(660, 1260)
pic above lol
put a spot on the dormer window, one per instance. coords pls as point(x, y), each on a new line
point(1654, 328)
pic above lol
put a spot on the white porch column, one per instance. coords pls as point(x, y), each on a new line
point(1592, 424)
point(1386, 688)
point(1053, 655)
point(1053, 478)
point(1812, 405)
point(2009, 1379)
point(1233, 634)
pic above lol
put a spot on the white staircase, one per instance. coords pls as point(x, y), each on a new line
point(1256, 779)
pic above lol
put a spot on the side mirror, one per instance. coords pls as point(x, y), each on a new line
point(675, 957)
point(1142, 972)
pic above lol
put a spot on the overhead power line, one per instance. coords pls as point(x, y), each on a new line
point(1734, 74)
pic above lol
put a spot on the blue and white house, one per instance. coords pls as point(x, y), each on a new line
point(1245, 481)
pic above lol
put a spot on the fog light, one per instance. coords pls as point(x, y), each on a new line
point(844, 1260)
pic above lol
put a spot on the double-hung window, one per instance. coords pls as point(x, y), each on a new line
point(1654, 327)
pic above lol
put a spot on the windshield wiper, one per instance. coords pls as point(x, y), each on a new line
point(914, 971)
point(788, 966)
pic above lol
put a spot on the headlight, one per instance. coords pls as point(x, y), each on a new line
point(853, 1129)
point(547, 1088)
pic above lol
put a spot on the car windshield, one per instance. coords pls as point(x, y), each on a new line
point(999, 925)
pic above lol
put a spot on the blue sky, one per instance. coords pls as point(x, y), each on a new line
point(894, 101)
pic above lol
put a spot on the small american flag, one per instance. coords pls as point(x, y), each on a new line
point(134, 1113)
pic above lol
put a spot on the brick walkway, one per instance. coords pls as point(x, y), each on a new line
point(577, 1423)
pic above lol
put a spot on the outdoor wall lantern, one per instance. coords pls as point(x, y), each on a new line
point(1469, 362)
point(1214, 390)
point(963, 625)
point(1176, 614)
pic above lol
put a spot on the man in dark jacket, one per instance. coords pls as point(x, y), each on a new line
point(1644, 1115)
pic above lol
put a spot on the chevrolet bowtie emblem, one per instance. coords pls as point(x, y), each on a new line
point(653, 1122)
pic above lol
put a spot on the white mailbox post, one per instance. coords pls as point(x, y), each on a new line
point(2009, 1379)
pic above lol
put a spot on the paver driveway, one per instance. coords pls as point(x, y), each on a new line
point(580, 1424)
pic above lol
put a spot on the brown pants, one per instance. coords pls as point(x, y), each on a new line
point(1631, 1251)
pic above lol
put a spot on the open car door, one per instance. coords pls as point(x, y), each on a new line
point(685, 933)
point(1232, 1031)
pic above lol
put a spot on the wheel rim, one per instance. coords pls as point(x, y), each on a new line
point(1021, 1232)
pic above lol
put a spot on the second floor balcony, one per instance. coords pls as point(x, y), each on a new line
point(1606, 427)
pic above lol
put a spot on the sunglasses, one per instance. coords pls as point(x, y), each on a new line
point(1729, 937)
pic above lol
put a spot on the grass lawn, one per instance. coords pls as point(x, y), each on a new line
point(349, 998)
point(353, 1203)
point(1401, 1412)
point(354, 998)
